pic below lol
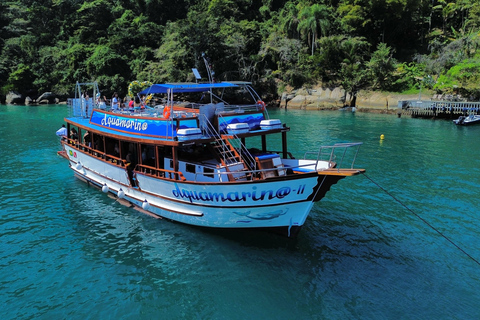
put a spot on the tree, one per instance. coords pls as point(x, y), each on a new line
point(94, 18)
point(288, 19)
point(353, 73)
point(381, 67)
point(171, 58)
point(311, 19)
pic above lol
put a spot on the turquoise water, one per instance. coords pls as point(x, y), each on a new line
point(70, 251)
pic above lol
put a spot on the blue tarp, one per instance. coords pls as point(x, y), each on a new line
point(187, 87)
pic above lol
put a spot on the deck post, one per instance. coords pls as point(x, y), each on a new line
point(284, 145)
point(264, 143)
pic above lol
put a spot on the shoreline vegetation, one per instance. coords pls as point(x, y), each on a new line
point(385, 46)
point(321, 98)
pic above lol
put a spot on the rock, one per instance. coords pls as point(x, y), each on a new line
point(46, 98)
point(28, 101)
point(316, 98)
point(14, 98)
point(320, 98)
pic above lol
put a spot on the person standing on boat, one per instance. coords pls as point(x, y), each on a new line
point(131, 105)
point(101, 101)
point(130, 165)
point(115, 102)
point(62, 132)
point(87, 139)
point(136, 105)
point(74, 134)
point(85, 102)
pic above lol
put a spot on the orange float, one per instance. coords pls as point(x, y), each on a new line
point(262, 104)
point(166, 112)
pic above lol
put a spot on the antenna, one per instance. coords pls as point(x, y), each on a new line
point(210, 72)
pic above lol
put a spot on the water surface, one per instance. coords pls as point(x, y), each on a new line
point(70, 251)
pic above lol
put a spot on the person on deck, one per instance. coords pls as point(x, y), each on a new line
point(62, 132)
point(115, 102)
point(131, 105)
point(101, 101)
point(87, 139)
point(130, 165)
point(137, 104)
point(74, 134)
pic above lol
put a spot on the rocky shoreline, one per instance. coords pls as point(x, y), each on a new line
point(321, 98)
point(316, 98)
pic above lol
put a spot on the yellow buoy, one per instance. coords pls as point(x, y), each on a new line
point(382, 137)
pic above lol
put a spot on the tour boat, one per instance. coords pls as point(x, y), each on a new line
point(200, 157)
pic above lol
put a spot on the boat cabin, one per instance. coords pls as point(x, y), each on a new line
point(182, 141)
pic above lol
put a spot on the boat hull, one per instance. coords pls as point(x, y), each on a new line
point(283, 203)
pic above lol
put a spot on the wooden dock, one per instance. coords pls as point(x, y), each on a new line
point(437, 109)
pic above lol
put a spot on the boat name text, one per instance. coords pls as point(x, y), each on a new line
point(235, 196)
point(133, 124)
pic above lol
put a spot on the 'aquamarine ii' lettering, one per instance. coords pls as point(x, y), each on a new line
point(133, 124)
point(234, 196)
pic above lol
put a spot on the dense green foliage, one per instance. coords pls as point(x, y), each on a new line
point(396, 45)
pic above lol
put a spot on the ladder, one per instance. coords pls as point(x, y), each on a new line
point(230, 159)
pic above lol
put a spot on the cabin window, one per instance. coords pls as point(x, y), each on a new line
point(208, 172)
point(190, 168)
point(112, 147)
point(147, 155)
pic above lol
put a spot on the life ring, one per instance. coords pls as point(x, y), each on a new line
point(166, 112)
point(262, 104)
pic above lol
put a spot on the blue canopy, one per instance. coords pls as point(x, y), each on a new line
point(187, 87)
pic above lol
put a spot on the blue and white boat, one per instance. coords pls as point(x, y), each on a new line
point(468, 120)
point(203, 163)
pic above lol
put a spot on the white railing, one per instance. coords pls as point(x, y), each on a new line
point(335, 155)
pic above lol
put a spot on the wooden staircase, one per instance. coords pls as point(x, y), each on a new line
point(231, 160)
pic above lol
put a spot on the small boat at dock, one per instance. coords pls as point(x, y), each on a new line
point(202, 156)
point(468, 120)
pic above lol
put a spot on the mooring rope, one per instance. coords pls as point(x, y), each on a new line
point(422, 219)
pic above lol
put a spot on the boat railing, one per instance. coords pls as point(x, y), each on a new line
point(80, 107)
point(224, 150)
point(335, 155)
point(232, 108)
point(242, 150)
point(96, 153)
point(250, 173)
point(161, 173)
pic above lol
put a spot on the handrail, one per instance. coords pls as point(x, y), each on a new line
point(245, 155)
point(159, 172)
point(332, 156)
point(213, 133)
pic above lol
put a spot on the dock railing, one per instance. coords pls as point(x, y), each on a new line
point(433, 108)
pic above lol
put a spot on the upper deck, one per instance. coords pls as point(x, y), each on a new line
point(173, 118)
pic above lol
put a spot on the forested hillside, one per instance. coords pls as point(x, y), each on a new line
point(390, 45)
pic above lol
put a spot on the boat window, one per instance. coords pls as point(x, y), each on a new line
point(148, 155)
point(112, 147)
point(208, 172)
point(190, 167)
point(161, 156)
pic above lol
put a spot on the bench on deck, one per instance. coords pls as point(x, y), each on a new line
point(270, 162)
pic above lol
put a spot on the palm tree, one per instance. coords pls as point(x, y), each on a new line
point(311, 19)
point(289, 19)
